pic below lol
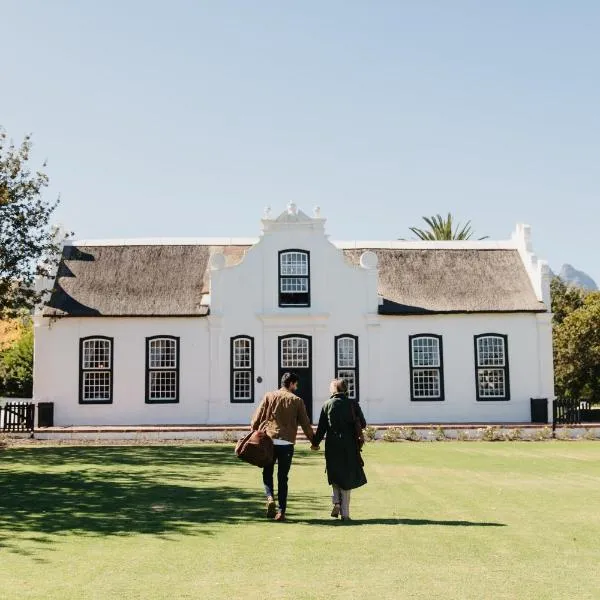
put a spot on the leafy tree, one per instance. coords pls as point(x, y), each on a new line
point(441, 228)
point(29, 246)
point(565, 299)
point(577, 352)
point(16, 367)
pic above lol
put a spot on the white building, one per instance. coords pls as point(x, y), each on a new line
point(141, 332)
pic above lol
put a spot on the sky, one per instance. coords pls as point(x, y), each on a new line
point(187, 118)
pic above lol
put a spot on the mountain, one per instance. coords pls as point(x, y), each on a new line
point(572, 276)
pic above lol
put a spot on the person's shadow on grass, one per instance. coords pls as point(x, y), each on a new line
point(398, 521)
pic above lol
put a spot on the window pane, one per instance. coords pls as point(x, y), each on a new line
point(491, 383)
point(346, 353)
point(96, 354)
point(426, 383)
point(163, 354)
point(96, 385)
point(242, 353)
point(490, 351)
point(294, 353)
point(350, 376)
point(294, 285)
point(163, 385)
point(425, 352)
point(242, 385)
point(294, 263)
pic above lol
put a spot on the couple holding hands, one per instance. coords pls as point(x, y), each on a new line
point(341, 420)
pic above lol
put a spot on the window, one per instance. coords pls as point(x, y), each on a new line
point(96, 370)
point(294, 278)
point(346, 362)
point(295, 353)
point(491, 367)
point(242, 369)
point(162, 369)
point(426, 367)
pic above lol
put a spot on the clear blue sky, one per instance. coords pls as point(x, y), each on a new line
point(186, 118)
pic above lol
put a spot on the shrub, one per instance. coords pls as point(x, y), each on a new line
point(370, 433)
point(563, 433)
point(492, 433)
point(392, 434)
point(543, 434)
point(463, 435)
point(229, 437)
point(590, 434)
point(409, 434)
point(513, 435)
point(3, 441)
point(439, 434)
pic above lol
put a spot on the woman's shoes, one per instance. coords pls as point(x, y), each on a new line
point(271, 508)
point(335, 513)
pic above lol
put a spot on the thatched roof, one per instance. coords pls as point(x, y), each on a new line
point(422, 281)
point(161, 280)
point(170, 280)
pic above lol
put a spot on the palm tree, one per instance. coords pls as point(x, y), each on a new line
point(442, 229)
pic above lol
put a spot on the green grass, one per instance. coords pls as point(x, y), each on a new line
point(442, 520)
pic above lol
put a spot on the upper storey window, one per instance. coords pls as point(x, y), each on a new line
point(294, 278)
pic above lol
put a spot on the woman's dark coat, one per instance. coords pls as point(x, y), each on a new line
point(341, 449)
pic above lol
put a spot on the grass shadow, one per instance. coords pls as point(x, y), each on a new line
point(120, 492)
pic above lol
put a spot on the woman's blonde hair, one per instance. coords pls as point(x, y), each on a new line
point(338, 386)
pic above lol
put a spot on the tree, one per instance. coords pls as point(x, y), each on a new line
point(444, 229)
point(16, 367)
point(577, 352)
point(565, 299)
point(28, 244)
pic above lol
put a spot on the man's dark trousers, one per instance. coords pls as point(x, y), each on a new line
point(283, 457)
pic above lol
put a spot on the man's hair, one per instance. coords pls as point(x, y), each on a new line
point(288, 379)
point(339, 386)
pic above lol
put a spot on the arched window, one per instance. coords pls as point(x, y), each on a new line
point(242, 369)
point(294, 278)
point(96, 370)
point(491, 367)
point(346, 362)
point(162, 369)
point(426, 367)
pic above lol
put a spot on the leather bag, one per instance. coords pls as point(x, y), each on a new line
point(256, 448)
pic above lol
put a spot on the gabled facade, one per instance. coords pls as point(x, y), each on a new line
point(196, 331)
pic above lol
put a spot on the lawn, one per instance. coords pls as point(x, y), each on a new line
point(437, 520)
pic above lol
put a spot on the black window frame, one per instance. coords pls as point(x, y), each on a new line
point(110, 370)
point(442, 396)
point(233, 371)
point(282, 277)
point(505, 368)
point(356, 367)
point(148, 370)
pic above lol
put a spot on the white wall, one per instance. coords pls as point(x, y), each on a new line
point(56, 370)
point(530, 368)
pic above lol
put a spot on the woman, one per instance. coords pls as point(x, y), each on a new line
point(342, 453)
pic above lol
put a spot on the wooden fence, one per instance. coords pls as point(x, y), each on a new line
point(573, 412)
point(17, 417)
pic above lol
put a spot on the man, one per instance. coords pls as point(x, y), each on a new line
point(279, 414)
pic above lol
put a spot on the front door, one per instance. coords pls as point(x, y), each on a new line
point(295, 356)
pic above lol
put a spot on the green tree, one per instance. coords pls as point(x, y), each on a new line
point(16, 367)
point(565, 299)
point(29, 246)
point(577, 352)
point(441, 228)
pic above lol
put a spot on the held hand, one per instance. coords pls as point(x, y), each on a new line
point(315, 448)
